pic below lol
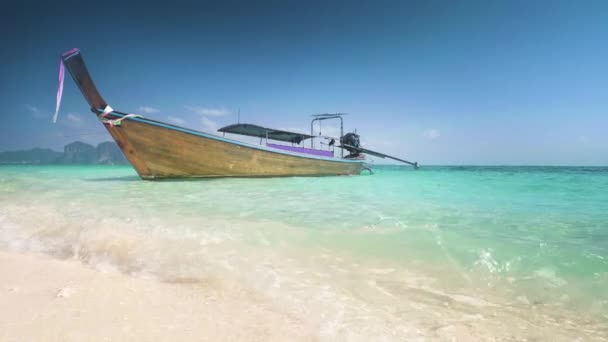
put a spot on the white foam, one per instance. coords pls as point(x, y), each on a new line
point(346, 298)
point(550, 276)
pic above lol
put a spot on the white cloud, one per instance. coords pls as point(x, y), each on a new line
point(176, 121)
point(208, 111)
point(32, 109)
point(36, 112)
point(74, 120)
point(431, 134)
point(209, 125)
point(148, 110)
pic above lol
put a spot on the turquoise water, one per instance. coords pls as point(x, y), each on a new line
point(522, 238)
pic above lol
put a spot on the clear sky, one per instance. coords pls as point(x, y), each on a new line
point(441, 82)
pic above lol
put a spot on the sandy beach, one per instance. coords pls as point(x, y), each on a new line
point(45, 299)
point(51, 300)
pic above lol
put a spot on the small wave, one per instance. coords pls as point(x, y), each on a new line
point(550, 277)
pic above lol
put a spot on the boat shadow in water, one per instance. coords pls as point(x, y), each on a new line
point(164, 180)
point(115, 179)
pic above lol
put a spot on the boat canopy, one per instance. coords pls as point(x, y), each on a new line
point(263, 132)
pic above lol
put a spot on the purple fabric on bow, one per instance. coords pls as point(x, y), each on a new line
point(61, 76)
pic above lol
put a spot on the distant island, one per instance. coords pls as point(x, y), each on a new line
point(106, 153)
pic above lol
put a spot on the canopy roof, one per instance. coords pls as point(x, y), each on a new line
point(263, 132)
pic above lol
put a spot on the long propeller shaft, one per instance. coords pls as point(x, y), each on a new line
point(377, 154)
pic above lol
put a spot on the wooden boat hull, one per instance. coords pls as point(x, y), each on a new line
point(160, 150)
point(157, 150)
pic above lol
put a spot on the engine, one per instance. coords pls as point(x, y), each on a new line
point(351, 143)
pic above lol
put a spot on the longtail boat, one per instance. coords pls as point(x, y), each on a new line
point(161, 150)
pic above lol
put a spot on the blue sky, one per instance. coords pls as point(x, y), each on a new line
point(441, 82)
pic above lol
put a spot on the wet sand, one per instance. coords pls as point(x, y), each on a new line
point(50, 300)
point(45, 299)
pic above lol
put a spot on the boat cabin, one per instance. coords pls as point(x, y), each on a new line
point(278, 135)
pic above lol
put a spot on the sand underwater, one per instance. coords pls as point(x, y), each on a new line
point(437, 254)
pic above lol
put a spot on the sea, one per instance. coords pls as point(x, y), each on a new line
point(495, 253)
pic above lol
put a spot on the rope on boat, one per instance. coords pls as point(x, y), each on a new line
point(103, 116)
point(116, 122)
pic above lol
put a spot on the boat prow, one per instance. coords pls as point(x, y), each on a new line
point(160, 150)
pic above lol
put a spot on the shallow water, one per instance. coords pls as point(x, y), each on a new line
point(507, 252)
